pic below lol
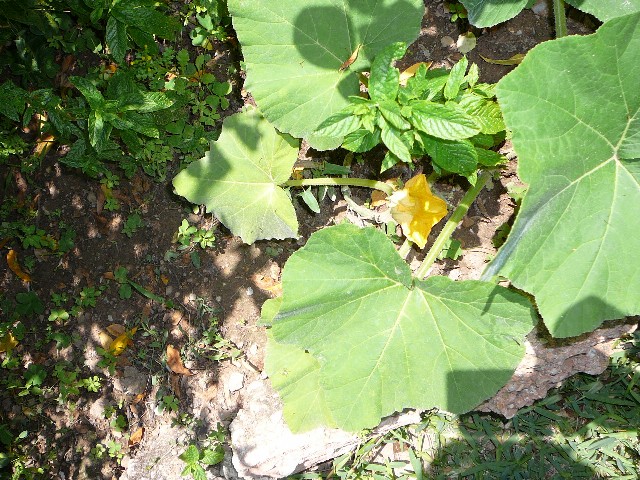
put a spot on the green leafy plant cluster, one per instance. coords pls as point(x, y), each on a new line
point(356, 335)
point(447, 115)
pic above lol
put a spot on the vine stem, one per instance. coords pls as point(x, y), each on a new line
point(560, 18)
point(349, 182)
point(452, 223)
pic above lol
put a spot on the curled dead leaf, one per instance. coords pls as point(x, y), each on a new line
point(174, 362)
point(115, 329)
point(136, 437)
point(14, 266)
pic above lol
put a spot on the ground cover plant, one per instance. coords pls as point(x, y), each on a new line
point(132, 96)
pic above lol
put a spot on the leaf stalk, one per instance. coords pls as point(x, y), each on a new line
point(349, 182)
point(560, 18)
point(452, 224)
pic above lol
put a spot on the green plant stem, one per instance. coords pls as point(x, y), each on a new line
point(350, 182)
point(451, 224)
point(405, 248)
point(560, 18)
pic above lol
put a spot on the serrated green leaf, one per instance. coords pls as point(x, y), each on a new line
point(12, 100)
point(89, 92)
point(190, 456)
point(487, 13)
point(607, 9)
point(442, 121)
point(361, 140)
point(574, 110)
point(456, 156)
point(489, 158)
point(212, 457)
point(456, 77)
point(146, 102)
point(293, 52)
point(146, 18)
point(485, 112)
point(384, 79)
point(338, 125)
point(238, 179)
point(392, 114)
point(116, 38)
point(394, 141)
point(385, 341)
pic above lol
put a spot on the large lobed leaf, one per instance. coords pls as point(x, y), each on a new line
point(238, 179)
point(574, 108)
point(294, 51)
point(379, 341)
point(487, 13)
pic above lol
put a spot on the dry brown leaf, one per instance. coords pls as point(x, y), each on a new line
point(12, 261)
point(378, 198)
point(175, 362)
point(136, 437)
point(268, 284)
point(115, 329)
point(138, 398)
point(109, 275)
point(351, 59)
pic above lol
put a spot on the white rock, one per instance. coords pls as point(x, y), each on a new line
point(235, 381)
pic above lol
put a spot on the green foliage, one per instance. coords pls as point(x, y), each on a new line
point(132, 224)
point(487, 13)
point(190, 235)
point(446, 115)
point(294, 53)
point(196, 458)
point(238, 179)
point(362, 332)
point(572, 245)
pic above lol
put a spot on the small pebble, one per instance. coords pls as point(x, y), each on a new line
point(249, 291)
point(236, 381)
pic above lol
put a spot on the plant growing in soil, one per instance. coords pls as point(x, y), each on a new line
point(356, 335)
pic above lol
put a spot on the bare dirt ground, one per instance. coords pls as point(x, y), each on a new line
point(209, 311)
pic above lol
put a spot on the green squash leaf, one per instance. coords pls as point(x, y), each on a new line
point(573, 106)
point(384, 341)
point(238, 179)
point(296, 375)
point(487, 13)
point(606, 9)
point(294, 50)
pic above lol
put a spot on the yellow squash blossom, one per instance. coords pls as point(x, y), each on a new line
point(417, 210)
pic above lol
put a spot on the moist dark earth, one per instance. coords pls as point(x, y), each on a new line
point(218, 300)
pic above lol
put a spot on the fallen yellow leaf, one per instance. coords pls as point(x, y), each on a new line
point(8, 342)
point(514, 60)
point(175, 362)
point(411, 71)
point(121, 342)
point(14, 266)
